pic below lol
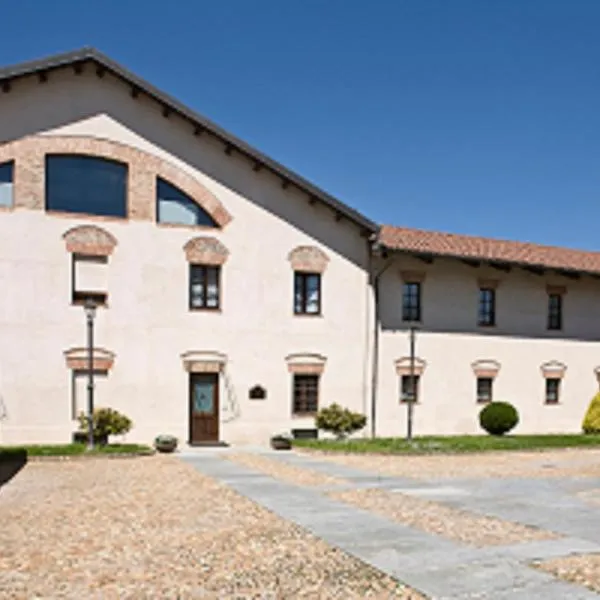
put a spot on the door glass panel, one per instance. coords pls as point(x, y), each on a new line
point(204, 393)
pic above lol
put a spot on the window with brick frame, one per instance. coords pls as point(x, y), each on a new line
point(409, 388)
point(6, 184)
point(485, 387)
point(89, 279)
point(307, 293)
point(305, 394)
point(552, 395)
point(205, 287)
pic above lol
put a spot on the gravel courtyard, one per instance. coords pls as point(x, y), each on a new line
point(154, 527)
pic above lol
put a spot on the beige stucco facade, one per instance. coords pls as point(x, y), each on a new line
point(148, 341)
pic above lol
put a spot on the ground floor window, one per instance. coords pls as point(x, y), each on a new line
point(305, 394)
point(484, 389)
point(552, 390)
point(79, 391)
point(409, 388)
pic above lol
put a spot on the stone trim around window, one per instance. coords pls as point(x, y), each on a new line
point(403, 366)
point(553, 370)
point(306, 363)
point(77, 359)
point(205, 250)
point(308, 259)
point(90, 240)
point(486, 368)
point(202, 361)
point(29, 155)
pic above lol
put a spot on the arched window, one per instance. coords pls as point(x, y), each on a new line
point(86, 184)
point(174, 206)
point(6, 184)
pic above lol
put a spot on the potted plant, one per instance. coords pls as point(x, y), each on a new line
point(165, 443)
point(105, 422)
point(281, 441)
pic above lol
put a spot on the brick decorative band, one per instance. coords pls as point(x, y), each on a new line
point(77, 359)
point(29, 156)
point(205, 251)
point(486, 368)
point(89, 240)
point(306, 368)
point(308, 259)
point(403, 366)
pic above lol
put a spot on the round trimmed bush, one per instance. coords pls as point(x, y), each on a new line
point(498, 418)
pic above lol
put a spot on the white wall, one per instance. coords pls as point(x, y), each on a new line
point(449, 340)
point(148, 324)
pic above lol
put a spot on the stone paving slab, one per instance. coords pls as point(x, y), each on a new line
point(433, 565)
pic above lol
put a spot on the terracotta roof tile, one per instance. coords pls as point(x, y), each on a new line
point(487, 249)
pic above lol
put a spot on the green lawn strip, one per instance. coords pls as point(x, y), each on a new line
point(451, 444)
point(76, 449)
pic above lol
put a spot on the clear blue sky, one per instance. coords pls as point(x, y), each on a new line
point(472, 116)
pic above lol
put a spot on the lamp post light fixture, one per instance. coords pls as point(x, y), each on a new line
point(90, 313)
point(413, 388)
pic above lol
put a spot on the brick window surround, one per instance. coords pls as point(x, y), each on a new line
point(203, 361)
point(77, 359)
point(89, 240)
point(553, 373)
point(205, 250)
point(306, 363)
point(29, 154)
point(308, 259)
point(485, 371)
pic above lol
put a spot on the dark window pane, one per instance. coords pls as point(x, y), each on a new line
point(307, 293)
point(204, 287)
point(484, 389)
point(552, 390)
point(86, 184)
point(175, 206)
point(487, 307)
point(6, 184)
point(305, 394)
point(554, 311)
point(410, 391)
point(411, 301)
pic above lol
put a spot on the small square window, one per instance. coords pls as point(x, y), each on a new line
point(205, 287)
point(555, 311)
point(409, 389)
point(305, 394)
point(411, 301)
point(552, 390)
point(484, 389)
point(487, 307)
point(307, 293)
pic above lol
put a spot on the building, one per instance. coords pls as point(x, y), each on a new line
point(235, 297)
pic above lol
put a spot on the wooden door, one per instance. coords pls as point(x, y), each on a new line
point(204, 407)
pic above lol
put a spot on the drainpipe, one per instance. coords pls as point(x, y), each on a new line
point(375, 278)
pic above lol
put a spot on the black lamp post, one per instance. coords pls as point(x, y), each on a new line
point(413, 388)
point(90, 314)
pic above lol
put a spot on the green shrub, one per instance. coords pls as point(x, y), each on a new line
point(591, 421)
point(339, 421)
point(498, 418)
point(107, 421)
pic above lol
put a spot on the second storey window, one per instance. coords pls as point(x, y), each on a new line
point(86, 184)
point(554, 311)
point(205, 286)
point(176, 207)
point(411, 301)
point(6, 184)
point(487, 307)
point(484, 389)
point(89, 279)
point(305, 394)
point(307, 293)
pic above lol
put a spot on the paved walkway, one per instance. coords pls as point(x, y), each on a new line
point(438, 567)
